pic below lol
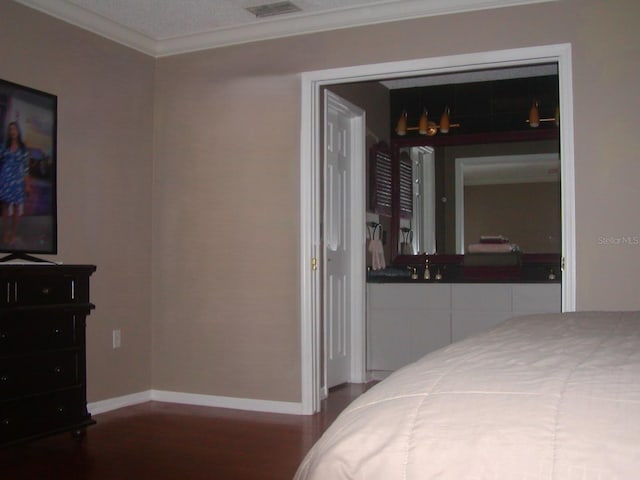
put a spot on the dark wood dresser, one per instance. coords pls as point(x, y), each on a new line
point(43, 309)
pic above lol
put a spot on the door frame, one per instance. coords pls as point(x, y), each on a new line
point(311, 160)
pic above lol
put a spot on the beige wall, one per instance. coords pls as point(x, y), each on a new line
point(226, 225)
point(105, 113)
point(243, 308)
point(223, 190)
point(528, 214)
point(373, 97)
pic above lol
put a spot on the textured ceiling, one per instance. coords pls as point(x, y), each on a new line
point(164, 19)
point(166, 27)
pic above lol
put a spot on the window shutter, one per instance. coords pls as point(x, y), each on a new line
point(406, 186)
point(381, 179)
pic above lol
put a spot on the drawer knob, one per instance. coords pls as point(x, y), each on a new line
point(60, 409)
point(57, 370)
point(57, 331)
point(3, 335)
point(4, 378)
point(46, 291)
point(6, 421)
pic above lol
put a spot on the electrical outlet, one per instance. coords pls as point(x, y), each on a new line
point(116, 339)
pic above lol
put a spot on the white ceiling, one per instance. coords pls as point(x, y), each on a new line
point(168, 27)
point(533, 168)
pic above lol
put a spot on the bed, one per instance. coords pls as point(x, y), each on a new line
point(553, 396)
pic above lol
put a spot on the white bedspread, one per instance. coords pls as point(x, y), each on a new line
point(538, 397)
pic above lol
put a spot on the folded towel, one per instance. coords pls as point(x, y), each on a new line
point(376, 249)
point(491, 248)
point(377, 254)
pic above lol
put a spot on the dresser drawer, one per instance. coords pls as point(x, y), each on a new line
point(36, 331)
point(38, 374)
point(41, 414)
point(43, 289)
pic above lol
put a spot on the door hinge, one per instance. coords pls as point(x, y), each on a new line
point(314, 264)
point(562, 264)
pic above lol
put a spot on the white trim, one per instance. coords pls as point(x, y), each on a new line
point(358, 249)
point(115, 403)
point(459, 199)
point(276, 27)
point(309, 160)
point(567, 178)
point(309, 244)
point(248, 404)
point(379, 375)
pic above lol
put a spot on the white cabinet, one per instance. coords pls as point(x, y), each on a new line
point(537, 298)
point(478, 307)
point(406, 321)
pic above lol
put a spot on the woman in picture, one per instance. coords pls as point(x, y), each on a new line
point(14, 166)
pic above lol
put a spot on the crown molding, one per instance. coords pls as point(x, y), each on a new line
point(94, 23)
point(286, 26)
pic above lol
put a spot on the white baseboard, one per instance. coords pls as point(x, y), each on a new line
point(324, 392)
point(109, 404)
point(378, 375)
point(251, 404)
point(268, 406)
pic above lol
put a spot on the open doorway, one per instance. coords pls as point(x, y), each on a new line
point(311, 145)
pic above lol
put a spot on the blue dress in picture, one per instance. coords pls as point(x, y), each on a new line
point(14, 166)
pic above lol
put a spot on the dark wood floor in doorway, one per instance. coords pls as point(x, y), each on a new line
point(168, 441)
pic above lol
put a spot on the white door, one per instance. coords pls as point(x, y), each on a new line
point(343, 214)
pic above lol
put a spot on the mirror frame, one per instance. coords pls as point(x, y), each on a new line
point(462, 162)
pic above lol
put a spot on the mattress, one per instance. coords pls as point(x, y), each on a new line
point(553, 396)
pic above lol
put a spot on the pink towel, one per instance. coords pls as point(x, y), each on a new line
point(491, 247)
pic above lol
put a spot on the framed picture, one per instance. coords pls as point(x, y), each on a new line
point(28, 141)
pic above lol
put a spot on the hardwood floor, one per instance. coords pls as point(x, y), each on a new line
point(169, 441)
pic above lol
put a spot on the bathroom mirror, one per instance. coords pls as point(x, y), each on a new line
point(512, 197)
point(418, 231)
point(464, 192)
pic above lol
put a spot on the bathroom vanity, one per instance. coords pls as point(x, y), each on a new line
point(408, 320)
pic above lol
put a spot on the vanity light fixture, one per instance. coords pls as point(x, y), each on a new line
point(401, 127)
point(426, 126)
point(534, 116)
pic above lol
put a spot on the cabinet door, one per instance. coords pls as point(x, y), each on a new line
point(537, 298)
point(478, 307)
point(401, 336)
point(405, 322)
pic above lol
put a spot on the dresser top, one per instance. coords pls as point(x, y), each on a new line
point(44, 267)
